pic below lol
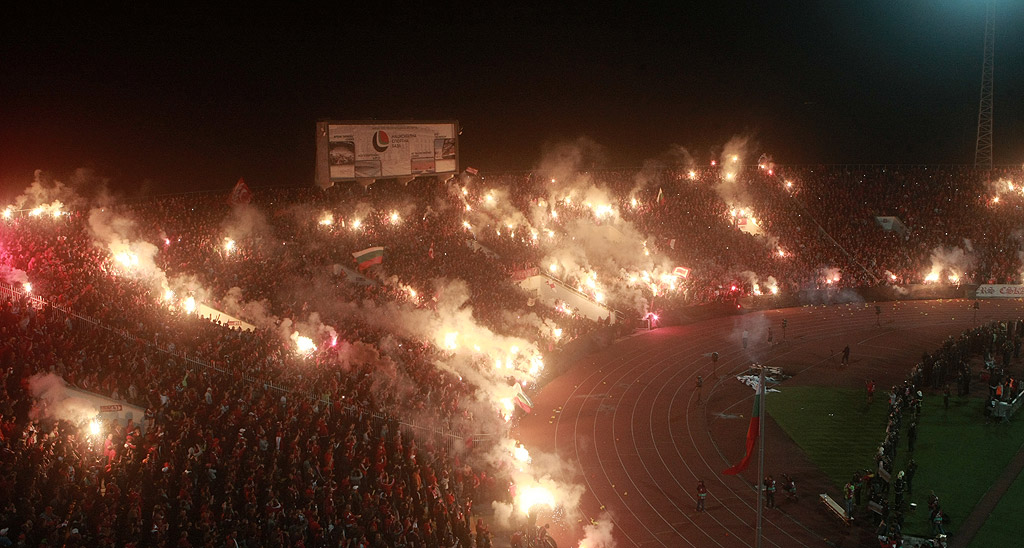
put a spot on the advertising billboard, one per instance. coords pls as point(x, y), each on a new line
point(348, 151)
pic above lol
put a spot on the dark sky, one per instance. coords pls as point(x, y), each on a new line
point(195, 100)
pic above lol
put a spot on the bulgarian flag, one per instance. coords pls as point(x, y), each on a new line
point(522, 400)
point(661, 196)
point(753, 431)
point(369, 257)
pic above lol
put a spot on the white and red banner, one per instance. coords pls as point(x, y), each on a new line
point(1000, 291)
point(240, 194)
point(521, 274)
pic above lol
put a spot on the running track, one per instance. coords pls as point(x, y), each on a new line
point(629, 420)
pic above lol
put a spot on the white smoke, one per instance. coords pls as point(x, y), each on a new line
point(730, 164)
point(951, 264)
point(598, 533)
point(12, 275)
point(245, 221)
point(53, 400)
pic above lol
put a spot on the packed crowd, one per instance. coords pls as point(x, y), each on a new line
point(246, 440)
point(953, 361)
point(213, 462)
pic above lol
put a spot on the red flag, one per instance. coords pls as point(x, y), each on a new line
point(753, 431)
point(240, 194)
point(472, 171)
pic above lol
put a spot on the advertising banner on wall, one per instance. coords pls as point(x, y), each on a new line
point(348, 151)
point(1000, 291)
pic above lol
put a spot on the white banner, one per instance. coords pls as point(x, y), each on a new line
point(748, 225)
point(371, 150)
point(215, 315)
point(889, 223)
point(1000, 291)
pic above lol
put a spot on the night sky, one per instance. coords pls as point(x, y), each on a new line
point(170, 102)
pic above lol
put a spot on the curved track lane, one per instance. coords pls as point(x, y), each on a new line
point(641, 435)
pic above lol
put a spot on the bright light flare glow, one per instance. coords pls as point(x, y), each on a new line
point(534, 495)
point(395, 218)
point(604, 211)
point(933, 277)
point(303, 344)
point(189, 305)
point(28, 287)
point(127, 258)
point(94, 427)
point(229, 245)
point(451, 340)
point(507, 408)
point(36, 212)
point(521, 454)
point(356, 224)
point(327, 219)
point(8, 213)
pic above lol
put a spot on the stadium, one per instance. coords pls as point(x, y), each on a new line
point(283, 388)
point(415, 330)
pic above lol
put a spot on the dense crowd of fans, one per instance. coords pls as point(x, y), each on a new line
point(246, 441)
point(955, 360)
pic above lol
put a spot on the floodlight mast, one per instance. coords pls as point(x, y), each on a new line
point(983, 146)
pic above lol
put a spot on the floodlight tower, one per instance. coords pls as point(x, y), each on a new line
point(983, 147)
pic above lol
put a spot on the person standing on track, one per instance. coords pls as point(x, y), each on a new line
point(769, 491)
point(848, 490)
point(871, 390)
point(702, 495)
point(700, 383)
point(846, 355)
point(789, 486)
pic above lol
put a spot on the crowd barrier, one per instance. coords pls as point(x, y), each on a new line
point(1004, 410)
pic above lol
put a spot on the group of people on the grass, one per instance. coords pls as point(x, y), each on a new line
point(245, 442)
point(888, 491)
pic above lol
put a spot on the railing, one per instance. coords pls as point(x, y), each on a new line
point(444, 436)
point(1004, 410)
point(616, 314)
